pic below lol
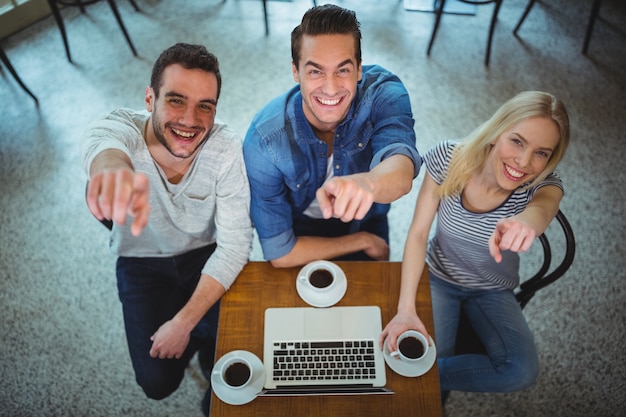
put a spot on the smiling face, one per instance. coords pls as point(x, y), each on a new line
point(184, 113)
point(522, 152)
point(328, 73)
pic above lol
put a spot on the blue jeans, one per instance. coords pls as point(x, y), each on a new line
point(152, 291)
point(511, 362)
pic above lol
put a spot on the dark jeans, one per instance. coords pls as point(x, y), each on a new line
point(306, 226)
point(152, 291)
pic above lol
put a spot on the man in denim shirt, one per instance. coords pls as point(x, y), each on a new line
point(327, 158)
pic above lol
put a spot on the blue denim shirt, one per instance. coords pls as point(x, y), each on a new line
point(286, 161)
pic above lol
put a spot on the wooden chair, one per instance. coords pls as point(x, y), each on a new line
point(439, 5)
point(54, 6)
point(467, 340)
point(595, 10)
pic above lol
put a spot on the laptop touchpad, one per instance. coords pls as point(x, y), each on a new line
point(323, 323)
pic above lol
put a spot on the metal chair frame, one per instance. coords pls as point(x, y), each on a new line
point(5, 59)
point(438, 9)
point(468, 341)
point(595, 10)
point(82, 3)
point(265, 18)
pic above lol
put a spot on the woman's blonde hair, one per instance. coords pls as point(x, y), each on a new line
point(470, 155)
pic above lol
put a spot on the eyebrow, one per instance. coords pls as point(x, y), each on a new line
point(175, 94)
point(341, 64)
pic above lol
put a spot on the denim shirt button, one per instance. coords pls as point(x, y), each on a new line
point(298, 186)
point(337, 166)
point(360, 145)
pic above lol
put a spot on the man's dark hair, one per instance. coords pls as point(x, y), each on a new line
point(189, 57)
point(326, 20)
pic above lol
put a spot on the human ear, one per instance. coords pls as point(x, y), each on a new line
point(294, 70)
point(149, 98)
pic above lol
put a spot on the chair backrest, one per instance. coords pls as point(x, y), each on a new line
point(541, 279)
point(468, 342)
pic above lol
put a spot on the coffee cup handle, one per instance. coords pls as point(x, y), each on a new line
point(394, 354)
point(302, 278)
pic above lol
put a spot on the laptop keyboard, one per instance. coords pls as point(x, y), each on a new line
point(330, 361)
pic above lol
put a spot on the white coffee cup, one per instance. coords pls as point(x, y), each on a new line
point(412, 346)
point(320, 277)
point(236, 372)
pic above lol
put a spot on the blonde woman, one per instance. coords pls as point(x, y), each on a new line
point(493, 194)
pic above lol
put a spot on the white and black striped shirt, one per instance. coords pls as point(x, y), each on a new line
point(459, 250)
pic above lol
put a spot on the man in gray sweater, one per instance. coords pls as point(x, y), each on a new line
point(172, 183)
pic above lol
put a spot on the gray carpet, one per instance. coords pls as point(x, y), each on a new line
point(63, 350)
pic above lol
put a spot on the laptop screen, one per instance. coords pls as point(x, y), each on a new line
point(323, 351)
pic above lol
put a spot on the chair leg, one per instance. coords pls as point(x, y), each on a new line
point(267, 27)
point(135, 5)
point(121, 23)
point(595, 9)
point(494, 20)
point(438, 9)
point(59, 20)
point(7, 63)
point(529, 6)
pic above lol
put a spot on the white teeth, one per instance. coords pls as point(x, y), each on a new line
point(514, 173)
point(183, 134)
point(329, 102)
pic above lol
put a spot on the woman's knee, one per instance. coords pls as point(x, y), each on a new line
point(519, 373)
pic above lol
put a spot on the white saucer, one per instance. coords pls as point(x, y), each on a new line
point(325, 299)
point(411, 370)
point(243, 395)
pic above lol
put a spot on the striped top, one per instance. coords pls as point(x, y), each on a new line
point(459, 250)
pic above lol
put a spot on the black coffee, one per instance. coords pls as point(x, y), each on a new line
point(237, 374)
point(411, 347)
point(321, 278)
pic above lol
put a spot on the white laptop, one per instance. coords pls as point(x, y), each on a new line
point(323, 351)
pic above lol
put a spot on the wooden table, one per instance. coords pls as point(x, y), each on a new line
point(260, 286)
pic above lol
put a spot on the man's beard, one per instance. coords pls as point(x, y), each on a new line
point(161, 138)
